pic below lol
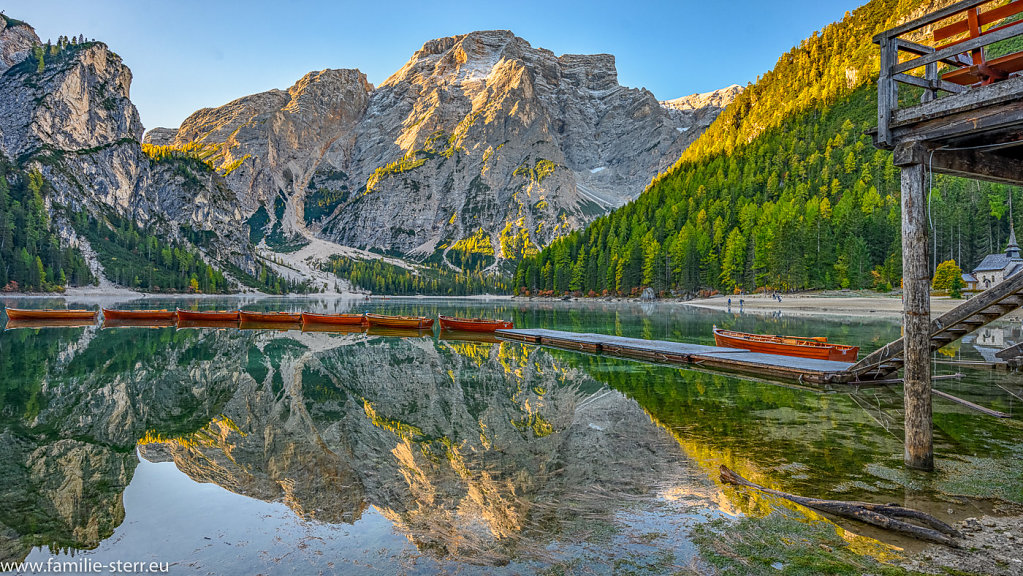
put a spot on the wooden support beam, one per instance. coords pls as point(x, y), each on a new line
point(919, 448)
point(887, 91)
point(978, 164)
point(952, 51)
point(994, 123)
point(1004, 92)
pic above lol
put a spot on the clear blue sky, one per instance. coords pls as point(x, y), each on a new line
point(188, 54)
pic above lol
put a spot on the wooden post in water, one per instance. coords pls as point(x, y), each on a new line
point(916, 318)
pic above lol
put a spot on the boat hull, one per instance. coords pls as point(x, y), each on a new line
point(139, 314)
point(786, 346)
point(211, 316)
point(334, 319)
point(414, 322)
point(270, 317)
point(28, 314)
point(474, 324)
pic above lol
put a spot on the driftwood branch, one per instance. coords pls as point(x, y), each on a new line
point(881, 515)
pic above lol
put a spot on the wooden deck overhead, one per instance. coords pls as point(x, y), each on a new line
point(973, 130)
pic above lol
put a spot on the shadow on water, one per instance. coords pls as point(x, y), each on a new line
point(480, 453)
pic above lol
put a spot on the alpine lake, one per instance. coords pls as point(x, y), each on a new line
point(230, 451)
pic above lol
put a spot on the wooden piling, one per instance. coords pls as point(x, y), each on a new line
point(916, 318)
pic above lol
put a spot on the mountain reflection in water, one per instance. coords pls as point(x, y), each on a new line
point(471, 449)
point(479, 453)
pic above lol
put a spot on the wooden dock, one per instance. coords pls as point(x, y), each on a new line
point(771, 366)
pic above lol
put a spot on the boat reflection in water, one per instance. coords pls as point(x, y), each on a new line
point(138, 323)
point(14, 324)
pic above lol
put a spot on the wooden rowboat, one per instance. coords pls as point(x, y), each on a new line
point(816, 348)
point(139, 314)
point(268, 317)
point(50, 314)
point(474, 324)
point(337, 319)
point(417, 322)
point(208, 315)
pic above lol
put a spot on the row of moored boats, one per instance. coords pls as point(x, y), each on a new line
point(244, 316)
point(804, 347)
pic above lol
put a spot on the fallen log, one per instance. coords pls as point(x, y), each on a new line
point(881, 515)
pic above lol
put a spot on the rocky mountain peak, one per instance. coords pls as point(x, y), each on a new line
point(716, 98)
point(16, 41)
point(480, 144)
point(78, 99)
point(696, 111)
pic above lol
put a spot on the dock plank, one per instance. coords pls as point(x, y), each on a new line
point(731, 359)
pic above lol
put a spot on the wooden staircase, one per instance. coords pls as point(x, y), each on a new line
point(983, 308)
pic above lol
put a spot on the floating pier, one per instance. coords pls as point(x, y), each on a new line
point(788, 368)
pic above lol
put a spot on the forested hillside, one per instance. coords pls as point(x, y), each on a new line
point(784, 191)
point(31, 255)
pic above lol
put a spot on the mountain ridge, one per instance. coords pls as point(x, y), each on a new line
point(452, 100)
point(479, 150)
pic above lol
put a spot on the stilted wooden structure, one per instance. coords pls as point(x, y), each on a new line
point(969, 123)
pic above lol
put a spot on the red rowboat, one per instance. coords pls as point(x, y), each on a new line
point(342, 319)
point(49, 314)
point(208, 316)
point(474, 324)
point(817, 348)
point(417, 322)
point(139, 314)
point(286, 317)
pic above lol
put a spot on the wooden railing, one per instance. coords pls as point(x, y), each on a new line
point(964, 56)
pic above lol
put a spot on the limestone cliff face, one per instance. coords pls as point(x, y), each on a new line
point(72, 118)
point(280, 136)
point(16, 42)
point(478, 138)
